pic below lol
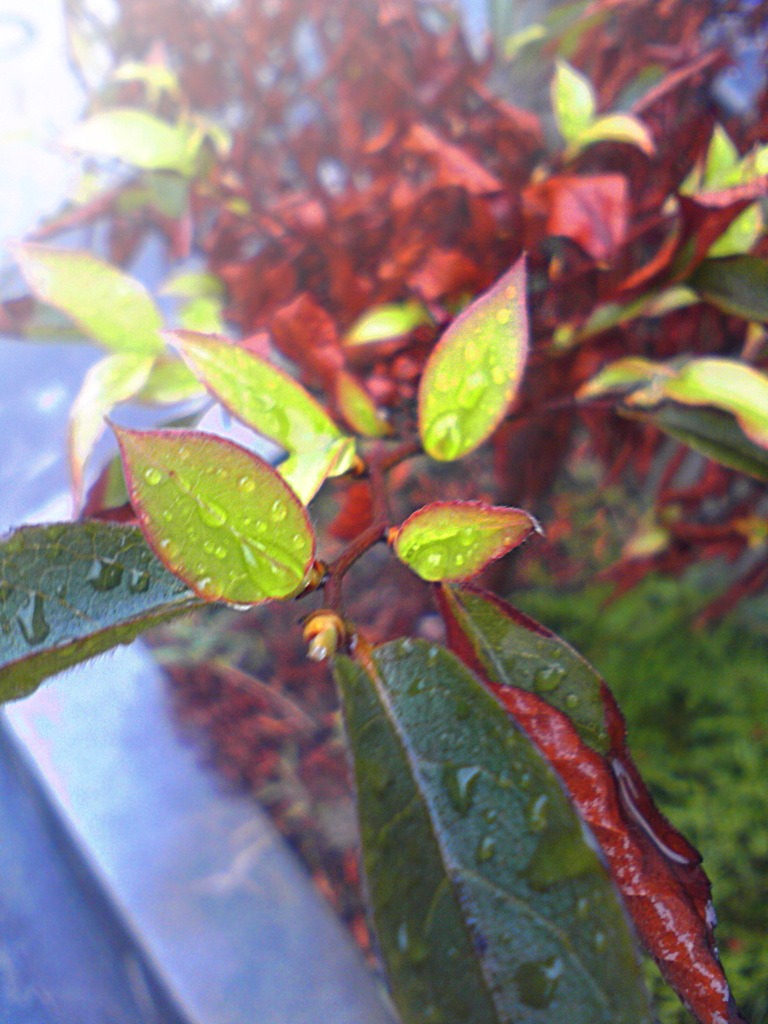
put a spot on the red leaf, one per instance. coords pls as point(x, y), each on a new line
point(658, 872)
point(592, 210)
point(307, 334)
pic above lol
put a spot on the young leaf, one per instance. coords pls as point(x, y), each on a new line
point(114, 379)
point(453, 540)
point(217, 516)
point(72, 590)
point(658, 872)
point(728, 385)
point(274, 404)
point(473, 373)
point(389, 320)
point(358, 408)
point(573, 101)
point(112, 308)
point(170, 381)
point(137, 138)
point(502, 643)
point(614, 128)
point(489, 902)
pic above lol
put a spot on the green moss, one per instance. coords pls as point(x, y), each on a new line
point(696, 704)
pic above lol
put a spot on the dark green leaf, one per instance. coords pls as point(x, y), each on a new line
point(515, 651)
point(489, 903)
point(735, 284)
point(72, 590)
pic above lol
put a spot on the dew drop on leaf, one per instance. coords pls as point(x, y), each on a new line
point(152, 476)
point(460, 785)
point(246, 484)
point(582, 907)
point(572, 701)
point(32, 621)
point(548, 678)
point(138, 581)
point(211, 513)
point(104, 575)
point(536, 981)
point(278, 511)
point(536, 815)
point(220, 551)
point(486, 849)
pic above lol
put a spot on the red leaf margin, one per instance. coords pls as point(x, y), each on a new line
point(658, 872)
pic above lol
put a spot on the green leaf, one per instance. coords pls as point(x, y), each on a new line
point(715, 434)
point(622, 376)
point(139, 139)
point(170, 381)
point(114, 379)
point(735, 284)
point(193, 285)
point(516, 651)
point(740, 235)
point(112, 308)
point(358, 408)
point(453, 540)
point(721, 166)
point(72, 590)
point(217, 516)
point(389, 320)
point(473, 373)
point(274, 404)
point(614, 128)
point(573, 101)
point(489, 903)
point(728, 385)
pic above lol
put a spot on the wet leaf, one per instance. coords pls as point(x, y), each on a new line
point(139, 139)
point(513, 650)
point(111, 381)
point(736, 284)
point(489, 902)
point(473, 373)
point(656, 869)
point(217, 516)
point(272, 403)
point(72, 590)
point(453, 540)
point(359, 409)
point(390, 320)
point(112, 308)
point(573, 101)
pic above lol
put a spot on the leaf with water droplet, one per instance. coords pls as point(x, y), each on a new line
point(204, 526)
point(112, 380)
point(453, 540)
point(271, 402)
point(447, 845)
point(513, 650)
point(473, 373)
point(72, 590)
point(113, 309)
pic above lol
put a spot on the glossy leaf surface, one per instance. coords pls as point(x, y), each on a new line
point(389, 320)
point(473, 373)
point(736, 284)
point(272, 403)
point(111, 307)
point(137, 138)
point(453, 540)
point(217, 516)
point(112, 380)
point(72, 590)
point(489, 904)
point(516, 651)
point(656, 869)
point(615, 128)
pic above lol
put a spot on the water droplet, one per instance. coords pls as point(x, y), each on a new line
point(152, 476)
point(467, 536)
point(536, 981)
point(32, 621)
point(138, 581)
point(442, 381)
point(460, 785)
point(525, 780)
point(582, 907)
point(61, 591)
point(246, 484)
point(211, 513)
point(499, 375)
point(490, 815)
point(443, 437)
point(472, 390)
point(204, 582)
point(279, 511)
point(548, 678)
point(220, 551)
point(571, 701)
point(536, 814)
point(168, 547)
point(459, 559)
point(503, 316)
point(208, 546)
point(432, 655)
point(435, 559)
point(104, 575)
point(471, 352)
point(486, 849)
point(599, 941)
point(402, 937)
